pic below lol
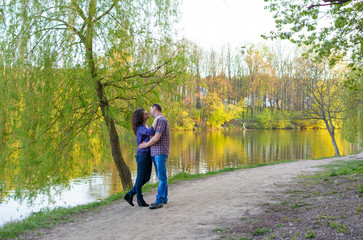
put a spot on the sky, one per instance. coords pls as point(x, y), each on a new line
point(217, 23)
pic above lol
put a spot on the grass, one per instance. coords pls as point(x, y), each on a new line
point(310, 235)
point(338, 168)
point(219, 230)
point(344, 168)
point(49, 218)
point(297, 205)
point(359, 209)
point(260, 231)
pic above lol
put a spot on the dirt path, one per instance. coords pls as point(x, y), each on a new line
point(195, 207)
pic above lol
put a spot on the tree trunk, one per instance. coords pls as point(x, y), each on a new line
point(198, 90)
point(331, 131)
point(123, 169)
point(247, 111)
point(252, 107)
point(252, 112)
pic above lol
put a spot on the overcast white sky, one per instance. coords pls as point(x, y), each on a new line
point(216, 23)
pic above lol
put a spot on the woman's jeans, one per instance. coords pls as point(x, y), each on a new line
point(160, 169)
point(144, 165)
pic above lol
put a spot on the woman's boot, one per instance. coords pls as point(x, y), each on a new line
point(128, 197)
point(142, 203)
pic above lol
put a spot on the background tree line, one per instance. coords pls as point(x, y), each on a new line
point(268, 87)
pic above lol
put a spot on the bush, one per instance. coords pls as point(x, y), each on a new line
point(272, 120)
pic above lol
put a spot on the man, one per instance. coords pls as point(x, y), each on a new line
point(159, 147)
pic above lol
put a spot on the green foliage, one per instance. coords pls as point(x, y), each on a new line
point(214, 110)
point(179, 117)
point(220, 230)
point(345, 168)
point(218, 113)
point(310, 234)
point(272, 120)
point(352, 127)
point(298, 205)
point(260, 231)
point(340, 168)
point(308, 123)
point(329, 31)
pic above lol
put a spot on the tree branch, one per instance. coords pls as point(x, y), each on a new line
point(74, 29)
point(105, 13)
point(147, 74)
point(79, 10)
point(331, 2)
point(79, 131)
point(121, 98)
point(30, 144)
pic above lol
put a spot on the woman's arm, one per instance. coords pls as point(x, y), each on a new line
point(152, 141)
point(149, 131)
point(156, 121)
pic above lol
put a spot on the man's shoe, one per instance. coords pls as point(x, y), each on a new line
point(155, 205)
point(142, 203)
point(129, 198)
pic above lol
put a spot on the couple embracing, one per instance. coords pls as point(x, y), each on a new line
point(153, 147)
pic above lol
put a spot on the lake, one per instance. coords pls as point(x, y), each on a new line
point(192, 152)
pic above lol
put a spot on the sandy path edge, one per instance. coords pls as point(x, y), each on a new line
point(195, 207)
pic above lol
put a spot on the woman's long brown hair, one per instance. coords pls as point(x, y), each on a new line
point(137, 119)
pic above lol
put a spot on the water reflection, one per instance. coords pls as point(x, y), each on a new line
point(191, 152)
point(203, 151)
point(81, 191)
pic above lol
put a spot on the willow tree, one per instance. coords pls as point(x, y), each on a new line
point(73, 68)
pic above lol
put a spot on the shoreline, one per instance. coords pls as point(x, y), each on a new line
point(93, 206)
point(61, 216)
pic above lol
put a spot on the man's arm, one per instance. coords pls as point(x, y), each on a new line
point(152, 141)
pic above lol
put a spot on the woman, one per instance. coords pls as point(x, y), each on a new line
point(143, 157)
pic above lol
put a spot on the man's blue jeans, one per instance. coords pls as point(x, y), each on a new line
point(160, 169)
point(144, 166)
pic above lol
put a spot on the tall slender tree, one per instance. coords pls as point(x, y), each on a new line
point(325, 95)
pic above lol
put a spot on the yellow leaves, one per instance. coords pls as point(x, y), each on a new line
point(129, 58)
point(178, 117)
point(96, 149)
point(219, 113)
point(119, 60)
point(76, 151)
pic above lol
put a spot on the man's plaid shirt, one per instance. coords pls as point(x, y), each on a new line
point(163, 145)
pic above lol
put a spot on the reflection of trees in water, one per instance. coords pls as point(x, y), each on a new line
point(202, 151)
point(195, 152)
point(28, 174)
